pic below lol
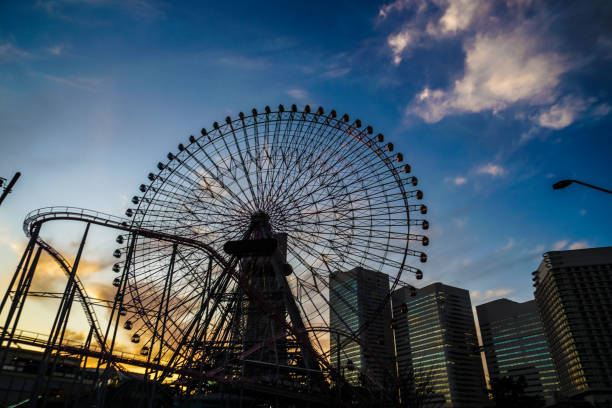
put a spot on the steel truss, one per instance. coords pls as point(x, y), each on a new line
point(236, 329)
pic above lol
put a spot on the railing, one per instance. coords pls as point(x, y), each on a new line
point(36, 339)
point(63, 212)
point(45, 214)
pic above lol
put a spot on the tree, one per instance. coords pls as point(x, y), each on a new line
point(509, 392)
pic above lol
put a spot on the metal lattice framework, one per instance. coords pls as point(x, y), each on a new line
point(343, 197)
point(225, 265)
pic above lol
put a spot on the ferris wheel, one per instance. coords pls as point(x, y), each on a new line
point(299, 195)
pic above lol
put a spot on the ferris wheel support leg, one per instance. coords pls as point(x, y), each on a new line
point(296, 320)
point(58, 324)
point(218, 289)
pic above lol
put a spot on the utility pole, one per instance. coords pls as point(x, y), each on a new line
point(10, 185)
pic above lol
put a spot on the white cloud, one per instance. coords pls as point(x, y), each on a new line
point(491, 169)
point(559, 245)
point(457, 17)
point(296, 93)
point(55, 50)
point(244, 62)
point(451, 17)
point(510, 60)
point(87, 84)
point(460, 222)
point(509, 245)
point(458, 181)
point(490, 294)
point(400, 42)
point(148, 9)
point(562, 114)
point(602, 109)
point(336, 72)
point(398, 5)
point(10, 52)
point(537, 250)
point(528, 135)
point(16, 245)
point(578, 245)
point(500, 70)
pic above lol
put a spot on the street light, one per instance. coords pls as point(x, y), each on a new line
point(564, 183)
point(9, 187)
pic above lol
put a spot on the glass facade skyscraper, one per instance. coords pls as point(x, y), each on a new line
point(515, 345)
point(573, 292)
point(436, 345)
point(359, 305)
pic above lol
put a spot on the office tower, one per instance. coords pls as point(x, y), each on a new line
point(515, 345)
point(436, 345)
point(573, 292)
point(359, 304)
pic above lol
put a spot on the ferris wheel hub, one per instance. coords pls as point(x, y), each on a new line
point(260, 218)
point(260, 227)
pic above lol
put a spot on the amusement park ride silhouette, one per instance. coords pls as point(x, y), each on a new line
point(222, 274)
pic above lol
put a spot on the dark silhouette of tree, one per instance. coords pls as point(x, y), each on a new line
point(406, 391)
point(509, 392)
point(417, 391)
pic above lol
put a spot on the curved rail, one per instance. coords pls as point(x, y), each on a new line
point(46, 214)
point(90, 314)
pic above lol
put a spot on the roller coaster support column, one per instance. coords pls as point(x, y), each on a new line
point(23, 277)
point(81, 375)
point(59, 326)
point(26, 255)
point(165, 300)
point(113, 318)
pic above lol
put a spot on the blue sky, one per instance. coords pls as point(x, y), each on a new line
point(490, 102)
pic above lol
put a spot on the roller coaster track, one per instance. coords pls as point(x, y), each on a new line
point(73, 348)
point(46, 214)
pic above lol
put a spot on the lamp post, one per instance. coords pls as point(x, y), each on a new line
point(10, 185)
point(564, 183)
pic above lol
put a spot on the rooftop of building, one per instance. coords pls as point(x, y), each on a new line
point(501, 309)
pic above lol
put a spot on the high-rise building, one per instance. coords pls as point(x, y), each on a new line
point(436, 345)
point(573, 292)
point(515, 345)
point(359, 305)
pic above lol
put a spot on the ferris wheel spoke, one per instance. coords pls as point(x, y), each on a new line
point(330, 154)
point(326, 301)
point(366, 164)
point(209, 171)
point(235, 165)
point(341, 197)
point(289, 169)
point(246, 172)
point(308, 132)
